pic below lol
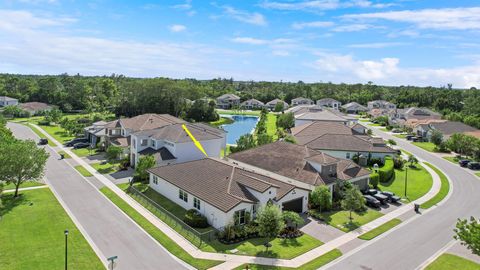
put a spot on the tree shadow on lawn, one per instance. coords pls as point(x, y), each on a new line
point(10, 202)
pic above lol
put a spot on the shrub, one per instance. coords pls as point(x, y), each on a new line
point(321, 198)
point(373, 161)
point(386, 172)
point(392, 142)
point(398, 162)
point(195, 219)
point(374, 178)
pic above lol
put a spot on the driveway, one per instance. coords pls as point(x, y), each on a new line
point(415, 241)
point(111, 231)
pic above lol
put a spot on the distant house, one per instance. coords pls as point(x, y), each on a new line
point(323, 116)
point(401, 116)
point(35, 107)
point(301, 166)
point(301, 101)
point(381, 104)
point(341, 141)
point(330, 103)
point(224, 192)
point(447, 128)
point(272, 104)
point(354, 108)
point(96, 133)
point(8, 101)
point(227, 101)
point(252, 104)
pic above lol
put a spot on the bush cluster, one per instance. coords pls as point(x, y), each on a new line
point(232, 234)
point(195, 219)
point(386, 172)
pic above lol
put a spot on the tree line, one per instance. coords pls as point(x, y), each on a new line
point(133, 96)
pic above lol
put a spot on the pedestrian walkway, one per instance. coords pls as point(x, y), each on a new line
point(231, 260)
point(27, 188)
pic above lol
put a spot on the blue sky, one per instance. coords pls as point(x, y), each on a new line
point(402, 42)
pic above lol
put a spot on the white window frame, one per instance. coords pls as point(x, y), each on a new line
point(155, 180)
point(348, 155)
point(240, 217)
point(183, 195)
point(196, 203)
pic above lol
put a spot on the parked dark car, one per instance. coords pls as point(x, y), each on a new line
point(474, 165)
point(463, 162)
point(396, 130)
point(81, 145)
point(43, 142)
point(382, 198)
point(371, 201)
point(371, 191)
point(409, 137)
point(391, 196)
point(75, 141)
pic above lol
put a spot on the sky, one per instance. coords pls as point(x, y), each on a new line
point(387, 42)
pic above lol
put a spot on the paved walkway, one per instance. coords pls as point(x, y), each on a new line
point(233, 261)
point(27, 188)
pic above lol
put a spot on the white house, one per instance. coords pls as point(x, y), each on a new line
point(301, 101)
point(228, 101)
point(252, 104)
point(323, 115)
point(354, 108)
point(381, 104)
point(272, 104)
point(8, 101)
point(330, 103)
point(224, 192)
point(171, 144)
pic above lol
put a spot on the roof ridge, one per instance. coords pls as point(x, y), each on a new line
point(258, 179)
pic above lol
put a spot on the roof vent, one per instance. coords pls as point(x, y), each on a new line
point(227, 177)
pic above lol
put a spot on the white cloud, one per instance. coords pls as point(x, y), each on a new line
point(315, 24)
point(177, 28)
point(352, 27)
point(440, 19)
point(321, 5)
point(279, 46)
point(14, 19)
point(377, 45)
point(250, 40)
point(244, 16)
point(344, 68)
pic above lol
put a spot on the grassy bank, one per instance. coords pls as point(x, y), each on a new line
point(239, 112)
point(83, 171)
point(24, 185)
point(222, 121)
point(31, 240)
point(442, 193)
point(380, 229)
point(449, 261)
point(341, 219)
point(428, 146)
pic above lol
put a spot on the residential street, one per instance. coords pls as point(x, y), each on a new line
point(410, 245)
point(112, 232)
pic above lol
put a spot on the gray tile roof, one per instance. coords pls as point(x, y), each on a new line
point(149, 121)
point(451, 127)
point(176, 133)
point(159, 154)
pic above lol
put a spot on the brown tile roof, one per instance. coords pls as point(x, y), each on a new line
point(34, 106)
point(343, 142)
point(159, 154)
point(324, 115)
point(176, 133)
point(450, 127)
point(319, 128)
point(219, 183)
point(416, 122)
point(148, 121)
point(291, 160)
point(121, 141)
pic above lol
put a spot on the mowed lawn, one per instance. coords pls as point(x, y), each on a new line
point(24, 185)
point(430, 147)
point(32, 234)
point(272, 125)
point(341, 219)
point(449, 261)
point(419, 182)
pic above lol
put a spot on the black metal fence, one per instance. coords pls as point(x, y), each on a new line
point(190, 233)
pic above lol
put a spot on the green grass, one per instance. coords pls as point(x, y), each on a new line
point(384, 129)
point(272, 125)
point(364, 120)
point(40, 134)
point(313, 264)
point(419, 182)
point(406, 152)
point(222, 121)
point(449, 261)
point(58, 133)
point(85, 152)
point(477, 174)
point(239, 112)
point(452, 159)
point(158, 235)
point(341, 219)
point(374, 125)
point(401, 136)
point(24, 185)
point(83, 171)
point(380, 229)
point(223, 154)
point(32, 234)
point(106, 168)
point(428, 146)
point(442, 193)
point(65, 154)
point(281, 248)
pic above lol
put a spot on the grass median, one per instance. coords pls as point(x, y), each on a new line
point(380, 229)
point(341, 219)
point(442, 193)
point(313, 264)
point(32, 234)
point(449, 261)
point(157, 234)
point(83, 171)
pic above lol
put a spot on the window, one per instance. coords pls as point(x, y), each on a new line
point(134, 143)
point(196, 203)
point(239, 217)
point(144, 142)
point(183, 195)
point(348, 155)
point(254, 209)
point(153, 143)
point(155, 180)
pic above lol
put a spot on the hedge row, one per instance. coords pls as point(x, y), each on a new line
point(386, 172)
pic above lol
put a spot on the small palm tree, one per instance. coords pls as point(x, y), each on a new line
point(412, 160)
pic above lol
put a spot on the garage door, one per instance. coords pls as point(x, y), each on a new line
point(294, 205)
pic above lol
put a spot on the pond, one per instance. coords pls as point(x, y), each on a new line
point(243, 124)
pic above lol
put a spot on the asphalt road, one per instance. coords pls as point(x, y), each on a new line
point(109, 228)
point(412, 244)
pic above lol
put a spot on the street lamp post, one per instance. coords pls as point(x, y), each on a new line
point(66, 248)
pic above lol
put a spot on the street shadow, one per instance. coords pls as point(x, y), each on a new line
point(10, 202)
point(122, 174)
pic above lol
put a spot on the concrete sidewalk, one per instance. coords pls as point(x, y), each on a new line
point(27, 188)
point(233, 261)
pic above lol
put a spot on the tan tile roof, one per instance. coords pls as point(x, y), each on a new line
point(176, 133)
point(290, 160)
point(219, 183)
point(34, 106)
point(121, 141)
point(149, 121)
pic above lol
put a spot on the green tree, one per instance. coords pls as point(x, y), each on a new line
point(113, 153)
point(245, 142)
point(292, 219)
point(278, 107)
point(321, 197)
point(353, 200)
point(270, 221)
point(144, 163)
point(436, 137)
point(53, 116)
point(468, 233)
point(286, 120)
point(264, 138)
point(290, 139)
point(412, 160)
point(21, 161)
